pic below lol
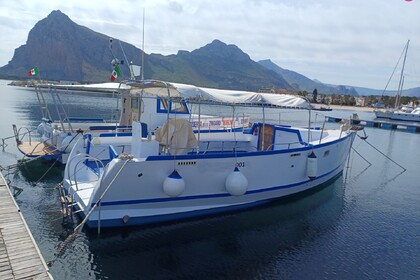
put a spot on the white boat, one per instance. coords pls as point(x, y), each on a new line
point(177, 172)
point(413, 116)
point(58, 137)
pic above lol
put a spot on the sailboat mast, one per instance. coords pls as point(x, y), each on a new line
point(142, 52)
point(400, 85)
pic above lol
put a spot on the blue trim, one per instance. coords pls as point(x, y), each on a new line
point(177, 216)
point(112, 152)
point(113, 134)
point(143, 129)
point(81, 119)
point(238, 129)
point(175, 175)
point(92, 165)
point(206, 196)
point(47, 157)
point(89, 139)
point(248, 154)
point(109, 127)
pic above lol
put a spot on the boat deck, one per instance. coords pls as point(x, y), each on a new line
point(20, 257)
point(37, 149)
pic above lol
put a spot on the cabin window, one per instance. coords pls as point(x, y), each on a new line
point(175, 106)
point(163, 104)
point(178, 107)
point(135, 103)
point(326, 153)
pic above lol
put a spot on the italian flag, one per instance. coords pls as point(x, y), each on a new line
point(33, 71)
point(115, 73)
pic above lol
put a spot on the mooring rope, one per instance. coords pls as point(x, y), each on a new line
point(399, 165)
point(46, 172)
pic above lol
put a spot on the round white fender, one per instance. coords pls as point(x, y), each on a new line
point(174, 184)
point(312, 166)
point(236, 183)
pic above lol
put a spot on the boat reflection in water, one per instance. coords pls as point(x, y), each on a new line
point(242, 245)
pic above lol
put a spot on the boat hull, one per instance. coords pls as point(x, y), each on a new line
point(136, 195)
point(179, 216)
point(405, 117)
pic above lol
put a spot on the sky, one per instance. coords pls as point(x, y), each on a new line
point(346, 42)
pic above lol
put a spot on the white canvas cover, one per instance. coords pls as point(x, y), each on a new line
point(222, 96)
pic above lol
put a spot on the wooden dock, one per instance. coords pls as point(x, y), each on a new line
point(20, 257)
point(383, 123)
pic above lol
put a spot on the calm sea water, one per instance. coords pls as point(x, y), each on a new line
point(364, 227)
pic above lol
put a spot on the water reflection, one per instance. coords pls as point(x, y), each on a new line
point(237, 246)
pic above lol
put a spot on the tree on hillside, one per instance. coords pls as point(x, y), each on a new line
point(314, 95)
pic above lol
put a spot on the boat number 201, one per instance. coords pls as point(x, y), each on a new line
point(240, 164)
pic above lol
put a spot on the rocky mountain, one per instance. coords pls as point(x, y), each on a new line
point(215, 65)
point(300, 82)
point(64, 50)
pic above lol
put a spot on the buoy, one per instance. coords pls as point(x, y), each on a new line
point(236, 183)
point(174, 184)
point(312, 166)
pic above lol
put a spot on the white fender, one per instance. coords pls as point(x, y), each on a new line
point(236, 183)
point(174, 184)
point(312, 166)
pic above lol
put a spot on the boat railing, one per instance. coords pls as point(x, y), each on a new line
point(222, 146)
point(20, 136)
point(3, 144)
point(287, 145)
point(81, 159)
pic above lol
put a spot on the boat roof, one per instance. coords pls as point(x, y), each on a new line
point(100, 87)
point(220, 96)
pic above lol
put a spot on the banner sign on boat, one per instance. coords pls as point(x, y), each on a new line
point(220, 123)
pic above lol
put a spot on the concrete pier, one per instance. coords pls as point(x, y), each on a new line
point(384, 124)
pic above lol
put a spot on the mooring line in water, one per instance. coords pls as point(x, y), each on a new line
point(46, 172)
point(368, 162)
point(399, 165)
point(361, 172)
point(72, 237)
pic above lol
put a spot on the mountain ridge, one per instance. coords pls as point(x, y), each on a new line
point(65, 50)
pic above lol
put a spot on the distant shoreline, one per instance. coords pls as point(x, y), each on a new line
point(347, 108)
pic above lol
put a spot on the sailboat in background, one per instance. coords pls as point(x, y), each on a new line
point(388, 113)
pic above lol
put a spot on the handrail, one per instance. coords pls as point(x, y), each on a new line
point(288, 144)
point(81, 158)
point(24, 134)
point(322, 130)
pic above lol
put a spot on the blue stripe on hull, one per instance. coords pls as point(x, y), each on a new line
point(133, 221)
point(167, 199)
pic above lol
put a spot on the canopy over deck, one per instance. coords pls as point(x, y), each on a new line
point(227, 97)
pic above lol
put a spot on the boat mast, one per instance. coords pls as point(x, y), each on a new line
point(142, 52)
point(400, 85)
